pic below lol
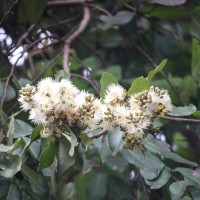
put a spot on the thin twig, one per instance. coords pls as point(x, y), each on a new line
point(99, 134)
point(67, 2)
point(9, 11)
point(72, 37)
point(182, 119)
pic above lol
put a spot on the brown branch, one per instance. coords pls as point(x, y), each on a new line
point(67, 2)
point(73, 36)
point(182, 119)
point(9, 11)
point(99, 134)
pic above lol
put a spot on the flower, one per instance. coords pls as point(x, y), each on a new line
point(115, 94)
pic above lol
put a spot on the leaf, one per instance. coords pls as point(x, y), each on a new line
point(48, 155)
point(155, 71)
point(73, 140)
point(177, 189)
point(154, 161)
point(137, 158)
point(183, 111)
point(6, 149)
point(121, 18)
point(196, 113)
point(9, 190)
point(10, 132)
point(30, 175)
point(169, 2)
point(66, 192)
point(106, 80)
point(9, 167)
point(10, 92)
point(195, 57)
point(159, 147)
point(34, 9)
point(192, 177)
point(22, 128)
point(97, 186)
point(188, 89)
point(161, 180)
point(139, 84)
point(65, 160)
point(115, 140)
point(86, 141)
point(195, 28)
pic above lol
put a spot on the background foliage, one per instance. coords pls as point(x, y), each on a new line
point(125, 38)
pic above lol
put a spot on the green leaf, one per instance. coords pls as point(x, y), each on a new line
point(97, 186)
point(195, 57)
point(169, 2)
point(30, 175)
point(154, 161)
point(6, 149)
point(196, 113)
point(48, 155)
point(191, 176)
point(10, 132)
point(159, 147)
point(121, 18)
point(155, 71)
point(34, 9)
point(183, 111)
point(86, 141)
point(106, 80)
point(138, 159)
point(139, 84)
point(66, 192)
point(22, 128)
point(65, 160)
point(10, 92)
point(177, 189)
point(115, 140)
point(9, 167)
point(9, 190)
point(188, 89)
point(161, 180)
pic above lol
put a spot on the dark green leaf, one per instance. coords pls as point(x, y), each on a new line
point(86, 141)
point(37, 8)
point(183, 111)
point(10, 92)
point(115, 140)
point(195, 57)
point(65, 160)
point(159, 147)
point(66, 192)
point(138, 85)
point(161, 180)
point(9, 167)
point(196, 114)
point(155, 71)
point(22, 128)
point(106, 80)
point(191, 176)
point(177, 189)
point(48, 155)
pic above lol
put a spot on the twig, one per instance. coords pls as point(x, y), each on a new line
point(96, 88)
point(8, 79)
point(67, 2)
point(99, 134)
point(73, 36)
point(9, 10)
point(182, 119)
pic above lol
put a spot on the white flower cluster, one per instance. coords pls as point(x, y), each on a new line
point(53, 104)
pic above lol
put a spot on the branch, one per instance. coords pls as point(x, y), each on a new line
point(73, 36)
point(99, 134)
point(181, 119)
point(67, 2)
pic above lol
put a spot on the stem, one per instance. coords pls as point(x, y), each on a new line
point(181, 119)
point(99, 134)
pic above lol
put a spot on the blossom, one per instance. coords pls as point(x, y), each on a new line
point(115, 94)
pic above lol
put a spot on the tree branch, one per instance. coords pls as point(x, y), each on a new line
point(73, 36)
point(181, 119)
point(99, 134)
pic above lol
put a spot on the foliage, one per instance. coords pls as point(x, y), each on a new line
point(123, 43)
